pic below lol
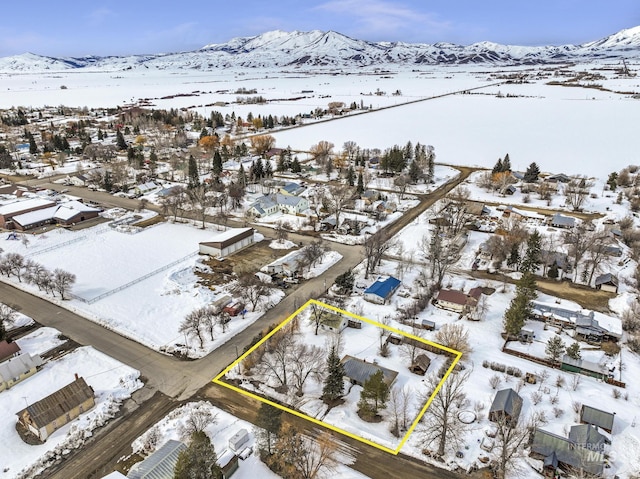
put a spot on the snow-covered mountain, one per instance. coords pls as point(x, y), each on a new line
point(331, 49)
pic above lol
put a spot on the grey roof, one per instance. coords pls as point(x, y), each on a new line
point(561, 220)
point(607, 278)
point(160, 464)
point(587, 435)
point(507, 401)
point(14, 367)
point(582, 364)
point(359, 370)
point(560, 259)
point(289, 200)
point(566, 452)
point(597, 417)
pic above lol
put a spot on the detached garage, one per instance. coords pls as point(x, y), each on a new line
point(228, 242)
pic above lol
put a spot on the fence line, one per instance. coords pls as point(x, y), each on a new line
point(137, 280)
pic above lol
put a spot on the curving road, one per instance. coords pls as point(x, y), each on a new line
point(179, 380)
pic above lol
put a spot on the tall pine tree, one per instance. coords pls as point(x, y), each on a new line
point(120, 141)
point(216, 166)
point(351, 176)
point(334, 383)
point(360, 187)
point(269, 420)
point(532, 257)
point(531, 175)
point(193, 176)
point(199, 460)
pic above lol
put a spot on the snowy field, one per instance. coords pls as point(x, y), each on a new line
point(223, 428)
point(475, 129)
point(151, 310)
point(112, 381)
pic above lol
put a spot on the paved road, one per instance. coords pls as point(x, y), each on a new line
point(182, 379)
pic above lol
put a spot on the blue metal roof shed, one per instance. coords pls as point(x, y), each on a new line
point(382, 290)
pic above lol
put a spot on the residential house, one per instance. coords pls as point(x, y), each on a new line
point(420, 364)
point(8, 349)
point(458, 301)
point(506, 406)
point(271, 204)
point(292, 189)
point(18, 369)
point(263, 206)
point(607, 282)
point(590, 322)
point(582, 366)
point(227, 242)
point(597, 417)
point(589, 436)
point(43, 417)
point(358, 371)
point(561, 260)
point(145, 188)
point(561, 221)
point(292, 205)
point(333, 322)
point(160, 464)
point(559, 178)
point(613, 250)
point(381, 291)
point(558, 452)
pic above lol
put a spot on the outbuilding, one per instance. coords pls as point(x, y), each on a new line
point(228, 242)
point(382, 290)
point(607, 282)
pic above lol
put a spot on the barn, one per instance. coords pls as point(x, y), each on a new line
point(227, 242)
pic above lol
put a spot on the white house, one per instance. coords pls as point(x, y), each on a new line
point(271, 204)
point(227, 242)
point(380, 291)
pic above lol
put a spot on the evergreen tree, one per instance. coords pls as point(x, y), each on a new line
point(3, 331)
point(153, 162)
point(431, 164)
point(269, 419)
point(612, 181)
point(553, 272)
point(414, 172)
point(242, 177)
point(506, 163)
point(193, 177)
point(497, 168)
point(199, 460)
point(408, 151)
point(100, 135)
point(520, 307)
point(328, 168)
point(258, 169)
point(120, 141)
point(216, 167)
point(282, 164)
point(532, 257)
point(360, 187)
point(107, 181)
point(555, 348)
point(295, 165)
point(573, 351)
point(532, 173)
point(374, 394)
point(345, 282)
point(33, 147)
point(351, 176)
point(514, 256)
point(268, 169)
point(334, 383)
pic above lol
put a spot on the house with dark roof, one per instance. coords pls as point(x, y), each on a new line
point(607, 282)
point(506, 406)
point(597, 417)
point(381, 291)
point(357, 371)
point(561, 221)
point(561, 260)
point(293, 189)
point(420, 364)
point(588, 436)
point(457, 301)
point(8, 349)
point(558, 452)
point(44, 417)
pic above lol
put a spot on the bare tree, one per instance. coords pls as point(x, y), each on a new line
point(456, 209)
point(7, 316)
point(262, 143)
point(277, 361)
point(399, 408)
point(252, 289)
point(577, 191)
point(322, 151)
point(193, 324)
point(14, 264)
point(336, 198)
point(439, 254)
point(599, 244)
point(62, 281)
point(510, 441)
point(174, 202)
point(578, 241)
point(454, 336)
point(307, 360)
point(198, 419)
point(313, 252)
point(299, 456)
point(375, 246)
point(401, 183)
point(281, 232)
point(441, 422)
point(200, 199)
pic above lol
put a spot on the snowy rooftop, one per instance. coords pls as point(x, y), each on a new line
point(229, 234)
point(24, 205)
point(33, 217)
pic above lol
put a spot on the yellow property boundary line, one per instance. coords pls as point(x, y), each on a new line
point(457, 355)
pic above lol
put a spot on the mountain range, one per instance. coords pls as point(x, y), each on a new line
point(330, 49)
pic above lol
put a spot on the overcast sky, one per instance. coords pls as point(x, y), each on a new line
point(72, 28)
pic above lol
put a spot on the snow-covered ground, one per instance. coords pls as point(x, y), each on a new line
point(162, 258)
point(223, 428)
point(112, 382)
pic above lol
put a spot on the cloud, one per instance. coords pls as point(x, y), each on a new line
point(100, 15)
point(380, 17)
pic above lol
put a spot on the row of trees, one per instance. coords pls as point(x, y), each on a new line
point(52, 282)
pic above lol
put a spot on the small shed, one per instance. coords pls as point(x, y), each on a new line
point(394, 339)
point(561, 221)
point(334, 322)
point(227, 242)
point(607, 282)
point(380, 291)
point(420, 364)
point(238, 440)
point(18, 369)
point(506, 406)
point(597, 417)
point(428, 325)
point(234, 309)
